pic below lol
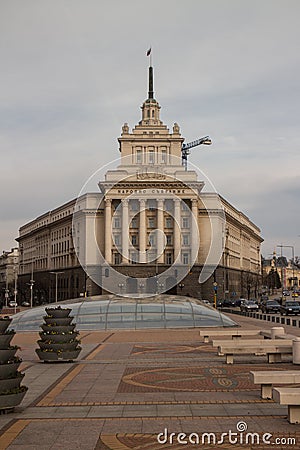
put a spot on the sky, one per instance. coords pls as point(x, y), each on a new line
point(73, 71)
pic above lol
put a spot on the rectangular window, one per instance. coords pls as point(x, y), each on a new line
point(169, 239)
point(151, 157)
point(184, 206)
point(185, 258)
point(185, 222)
point(151, 222)
point(134, 223)
point(169, 258)
point(168, 222)
point(185, 239)
point(134, 257)
point(164, 156)
point(151, 240)
point(134, 239)
point(117, 222)
point(117, 258)
point(117, 239)
point(139, 156)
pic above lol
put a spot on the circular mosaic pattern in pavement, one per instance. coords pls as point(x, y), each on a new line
point(185, 379)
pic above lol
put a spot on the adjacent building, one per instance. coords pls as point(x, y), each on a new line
point(9, 267)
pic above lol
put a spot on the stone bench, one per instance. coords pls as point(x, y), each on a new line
point(234, 333)
point(272, 350)
point(286, 336)
point(273, 333)
point(266, 379)
point(250, 342)
point(254, 341)
point(289, 396)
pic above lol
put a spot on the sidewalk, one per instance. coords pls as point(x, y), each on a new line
point(128, 386)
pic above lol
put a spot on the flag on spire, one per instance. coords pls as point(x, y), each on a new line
point(149, 52)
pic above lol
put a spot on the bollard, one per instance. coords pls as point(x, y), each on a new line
point(277, 331)
point(296, 351)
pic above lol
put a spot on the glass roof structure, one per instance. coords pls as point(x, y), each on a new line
point(113, 312)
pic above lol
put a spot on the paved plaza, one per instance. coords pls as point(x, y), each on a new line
point(129, 386)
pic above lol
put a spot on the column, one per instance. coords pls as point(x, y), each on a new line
point(195, 238)
point(125, 231)
point(142, 232)
point(177, 230)
point(159, 234)
point(107, 242)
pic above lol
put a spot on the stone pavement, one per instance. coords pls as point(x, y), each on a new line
point(129, 386)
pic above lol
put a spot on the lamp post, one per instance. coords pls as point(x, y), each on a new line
point(15, 287)
point(56, 277)
point(6, 291)
point(121, 286)
point(181, 286)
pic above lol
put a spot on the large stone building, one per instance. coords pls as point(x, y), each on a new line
point(151, 227)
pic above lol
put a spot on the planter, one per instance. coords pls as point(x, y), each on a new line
point(8, 401)
point(5, 339)
point(7, 353)
point(66, 337)
point(7, 370)
point(11, 393)
point(58, 313)
point(58, 321)
point(55, 346)
point(58, 328)
point(53, 356)
point(4, 323)
point(11, 383)
point(58, 339)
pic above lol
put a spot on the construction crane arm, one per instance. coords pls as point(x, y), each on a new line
point(185, 149)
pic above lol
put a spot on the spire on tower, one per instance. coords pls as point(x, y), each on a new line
point(150, 92)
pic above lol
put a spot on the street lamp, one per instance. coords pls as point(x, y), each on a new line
point(31, 284)
point(56, 276)
point(121, 286)
point(181, 286)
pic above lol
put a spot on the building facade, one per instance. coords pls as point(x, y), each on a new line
point(9, 267)
point(286, 271)
point(151, 227)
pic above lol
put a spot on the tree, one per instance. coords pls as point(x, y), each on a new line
point(273, 279)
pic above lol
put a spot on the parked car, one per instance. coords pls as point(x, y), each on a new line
point(206, 302)
point(12, 304)
point(290, 307)
point(294, 294)
point(228, 302)
point(271, 306)
point(25, 303)
point(285, 293)
point(249, 305)
point(237, 302)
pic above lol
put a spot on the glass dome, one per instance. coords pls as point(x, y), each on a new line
point(114, 312)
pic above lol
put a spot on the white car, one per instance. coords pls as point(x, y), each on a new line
point(12, 304)
point(249, 305)
point(207, 302)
